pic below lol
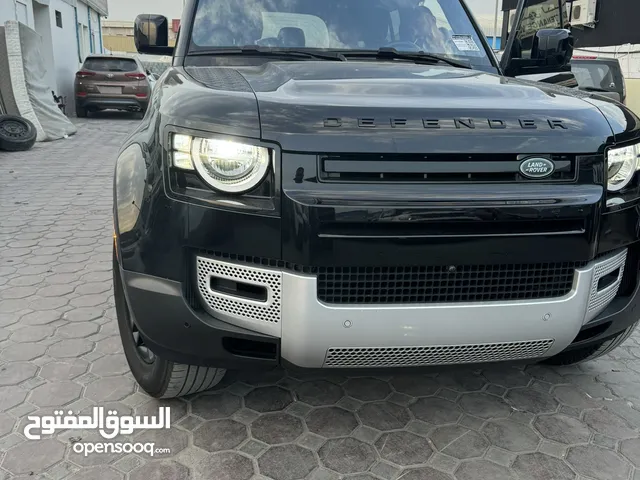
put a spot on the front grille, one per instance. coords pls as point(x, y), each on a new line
point(445, 284)
point(407, 168)
point(435, 355)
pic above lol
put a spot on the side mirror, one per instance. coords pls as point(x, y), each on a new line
point(553, 47)
point(551, 52)
point(151, 34)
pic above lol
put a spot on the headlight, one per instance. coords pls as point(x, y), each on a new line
point(226, 165)
point(622, 164)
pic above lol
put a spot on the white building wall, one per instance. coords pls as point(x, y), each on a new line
point(43, 27)
point(13, 10)
point(65, 48)
point(83, 30)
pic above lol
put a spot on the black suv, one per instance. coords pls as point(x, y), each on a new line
point(351, 184)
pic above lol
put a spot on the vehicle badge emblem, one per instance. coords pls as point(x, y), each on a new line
point(110, 75)
point(537, 167)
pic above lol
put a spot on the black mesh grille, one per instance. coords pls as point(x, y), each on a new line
point(444, 284)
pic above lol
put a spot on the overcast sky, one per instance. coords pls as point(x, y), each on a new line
point(128, 9)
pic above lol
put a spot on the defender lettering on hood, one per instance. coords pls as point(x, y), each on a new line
point(457, 123)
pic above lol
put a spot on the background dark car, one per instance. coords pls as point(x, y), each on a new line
point(599, 74)
point(111, 82)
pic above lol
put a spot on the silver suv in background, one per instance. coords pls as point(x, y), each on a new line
point(599, 74)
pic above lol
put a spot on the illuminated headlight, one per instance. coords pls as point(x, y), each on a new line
point(226, 165)
point(622, 164)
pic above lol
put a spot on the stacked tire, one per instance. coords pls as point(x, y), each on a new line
point(16, 133)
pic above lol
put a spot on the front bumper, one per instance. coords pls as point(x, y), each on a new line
point(290, 325)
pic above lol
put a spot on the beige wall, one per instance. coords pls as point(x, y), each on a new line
point(633, 94)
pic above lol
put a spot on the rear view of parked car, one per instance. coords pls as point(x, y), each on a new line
point(111, 82)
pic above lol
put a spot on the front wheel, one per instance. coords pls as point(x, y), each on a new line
point(159, 378)
point(591, 352)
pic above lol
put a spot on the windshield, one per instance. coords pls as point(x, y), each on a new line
point(102, 64)
point(594, 75)
point(433, 26)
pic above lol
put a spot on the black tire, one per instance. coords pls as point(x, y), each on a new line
point(17, 134)
point(592, 352)
point(81, 112)
point(158, 378)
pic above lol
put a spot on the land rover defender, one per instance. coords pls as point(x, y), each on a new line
point(360, 184)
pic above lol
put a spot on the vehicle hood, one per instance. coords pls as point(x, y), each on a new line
point(406, 108)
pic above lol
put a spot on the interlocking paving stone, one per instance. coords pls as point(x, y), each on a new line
point(287, 462)
point(331, 422)
point(507, 378)
point(607, 423)
point(631, 450)
point(61, 371)
point(109, 389)
point(268, 399)
point(562, 428)
point(484, 405)
point(367, 389)
point(15, 373)
point(107, 473)
point(226, 465)
point(55, 394)
point(436, 410)
point(424, 473)
point(531, 400)
point(384, 415)
point(459, 442)
point(214, 406)
point(415, 386)
point(11, 396)
point(7, 423)
point(34, 456)
point(55, 244)
point(588, 459)
point(538, 466)
point(574, 397)
point(217, 435)
point(483, 469)
point(276, 428)
point(319, 392)
point(347, 455)
point(461, 380)
point(510, 435)
point(403, 448)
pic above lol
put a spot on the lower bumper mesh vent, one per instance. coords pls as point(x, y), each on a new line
point(435, 355)
point(442, 284)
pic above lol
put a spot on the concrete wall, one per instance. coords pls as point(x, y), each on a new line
point(633, 94)
point(8, 11)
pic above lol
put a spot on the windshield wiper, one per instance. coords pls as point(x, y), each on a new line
point(271, 52)
point(387, 53)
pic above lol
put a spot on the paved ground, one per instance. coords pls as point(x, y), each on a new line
point(59, 347)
